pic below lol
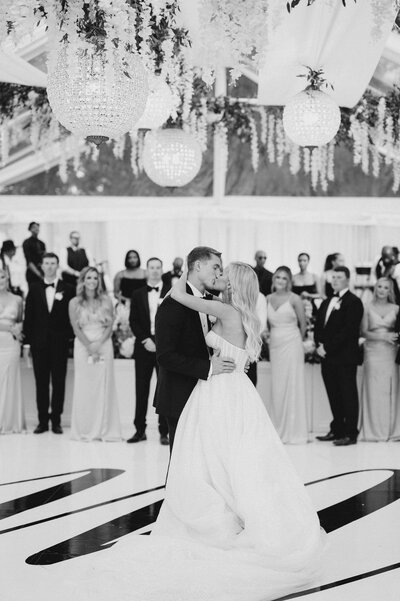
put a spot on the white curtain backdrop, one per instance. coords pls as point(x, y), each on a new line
point(237, 226)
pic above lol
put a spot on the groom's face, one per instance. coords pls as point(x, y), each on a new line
point(209, 271)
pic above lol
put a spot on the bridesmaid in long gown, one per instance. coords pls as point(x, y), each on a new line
point(12, 417)
point(95, 413)
point(380, 408)
point(287, 324)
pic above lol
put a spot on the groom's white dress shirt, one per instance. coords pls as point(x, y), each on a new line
point(203, 316)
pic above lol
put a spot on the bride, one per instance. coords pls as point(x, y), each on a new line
point(236, 523)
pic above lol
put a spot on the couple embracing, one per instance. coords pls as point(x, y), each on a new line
point(236, 523)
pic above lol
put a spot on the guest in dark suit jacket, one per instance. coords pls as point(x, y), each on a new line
point(182, 353)
point(170, 277)
point(144, 307)
point(47, 329)
point(337, 331)
point(264, 276)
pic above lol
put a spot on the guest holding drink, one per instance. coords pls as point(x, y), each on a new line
point(287, 325)
point(380, 411)
point(95, 413)
point(11, 407)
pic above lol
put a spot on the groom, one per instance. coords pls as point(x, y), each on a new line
point(182, 353)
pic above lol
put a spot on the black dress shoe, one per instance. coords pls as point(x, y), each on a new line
point(40, 429)
point(57, 429)
point(343, 442)
point(137, 437)
point(164, 440)
point(329, 437)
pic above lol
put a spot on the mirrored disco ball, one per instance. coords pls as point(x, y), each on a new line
point(311, 118)
point(171, 157)
point(159, 107)
point(90, 103)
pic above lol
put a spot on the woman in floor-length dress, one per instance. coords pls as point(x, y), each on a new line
point(237, 523)
point(380, 402)
point(95, 413)
point(288, 400)
point(12, 418)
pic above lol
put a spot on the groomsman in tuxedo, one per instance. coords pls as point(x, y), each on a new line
point(337, 330)
point(144, 306)
point(47, 329)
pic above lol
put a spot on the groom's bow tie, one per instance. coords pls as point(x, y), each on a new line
point(51, 285)
point(208, 296)
point(150, 288)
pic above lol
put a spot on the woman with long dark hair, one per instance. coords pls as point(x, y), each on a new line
point(95, 413)
point(129, 279)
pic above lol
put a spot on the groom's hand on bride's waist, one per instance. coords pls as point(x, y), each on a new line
point(222, 365)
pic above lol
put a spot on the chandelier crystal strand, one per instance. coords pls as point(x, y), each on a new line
point(171, 157)
point(311, 118)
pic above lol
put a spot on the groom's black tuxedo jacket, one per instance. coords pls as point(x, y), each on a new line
point(139, 318)
point(182, 356)
point(341, 332)
point(39, 323)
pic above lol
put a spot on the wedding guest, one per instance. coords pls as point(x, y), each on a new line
point(73, 259)
point(305, 284)
point(380, 409)
point(12, 417)
point(47, 329)
point(170, 277)
point(331, 262)
point(287, 326)
point(144, 306)
point(264, 276)
point(336, 334)
point(34, 250)
point(95, 413)
point(387, 266)
point(129, 279)
point(8, 262)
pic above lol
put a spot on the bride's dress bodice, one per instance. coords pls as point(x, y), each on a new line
point(239, 355)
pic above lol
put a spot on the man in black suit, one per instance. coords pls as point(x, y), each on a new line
point(337, 330)
point(144, 307)
point(47, 329)
point(182, 353)
point(34, 250)
point(264, 276)
point(170, 277)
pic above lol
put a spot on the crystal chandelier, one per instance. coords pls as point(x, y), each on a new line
point(159, 107)
point(171, 157)
point(311, 118)
point(95, 101)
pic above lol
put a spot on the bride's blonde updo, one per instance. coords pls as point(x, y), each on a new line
point(243, 296)
point(99, 301)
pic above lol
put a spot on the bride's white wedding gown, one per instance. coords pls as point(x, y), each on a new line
point(237, 523)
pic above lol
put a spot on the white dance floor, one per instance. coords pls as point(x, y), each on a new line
point(60, 499)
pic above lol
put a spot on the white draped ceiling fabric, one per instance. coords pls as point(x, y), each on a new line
point(346, 42)
point(169, 227)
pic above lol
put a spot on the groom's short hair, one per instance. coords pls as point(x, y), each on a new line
point(201, 253)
